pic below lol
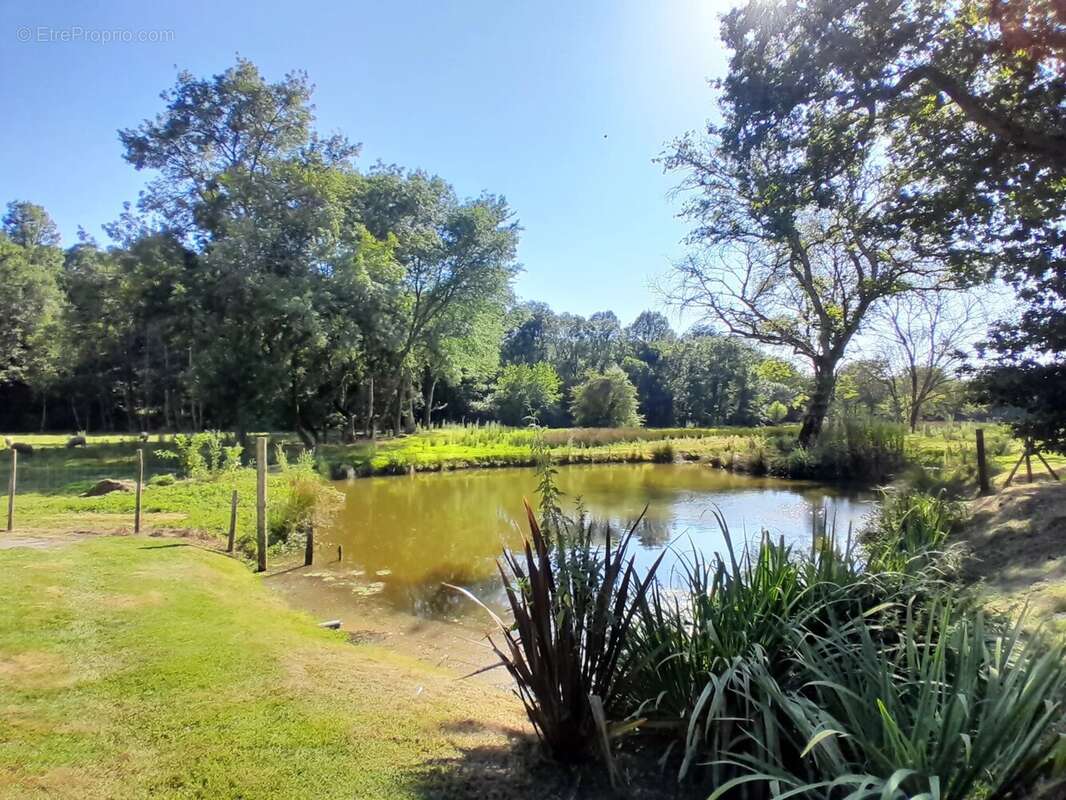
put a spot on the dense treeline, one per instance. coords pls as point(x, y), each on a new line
point(699, 378)
point(261, 281)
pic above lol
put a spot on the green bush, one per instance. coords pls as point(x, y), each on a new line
point(204, 454)
point(776, 412)
point(606, 400)
point(524, 390)
point(663, 454)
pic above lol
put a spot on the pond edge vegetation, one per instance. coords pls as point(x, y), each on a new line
point(859, 668)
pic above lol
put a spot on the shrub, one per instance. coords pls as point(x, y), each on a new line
point(776, 412)
point(203, 454)
point(857, 449)
point(524, 390)
point(663, 454)
point(606, 400)
point(573, 605)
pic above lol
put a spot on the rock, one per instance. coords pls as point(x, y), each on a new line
point(76, 441)
point(342, 472)
point(108, 485)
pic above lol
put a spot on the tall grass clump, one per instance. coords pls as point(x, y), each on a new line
point(910, 529)
point(305, 501)
point(573, 601)
point(953, 709)
point(696, 641)
point(860, 449)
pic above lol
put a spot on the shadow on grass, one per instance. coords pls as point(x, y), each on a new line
point(164, 546)
point(286, 570)
point(1015, 538)
point(517, 769)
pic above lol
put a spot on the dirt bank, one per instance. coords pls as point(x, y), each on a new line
point(1017, 544)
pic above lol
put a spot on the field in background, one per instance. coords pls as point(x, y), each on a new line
point(942, 448)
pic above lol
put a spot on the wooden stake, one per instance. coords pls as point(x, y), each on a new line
point(232, 522)
point(1011, 476)
point(1054, 474)
point(1028, 463)
point(11, 484)
point(140, 485)
point(982, 464)
point(261, 503)
point(309, 549)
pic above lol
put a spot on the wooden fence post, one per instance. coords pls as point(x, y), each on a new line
point(982, 464)
point(232, 523)
point(309, 548)
point(140, 485)
point(261, 502)
point(11, 483)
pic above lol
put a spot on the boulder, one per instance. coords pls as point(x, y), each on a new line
point(108, 485)
point(76, 441)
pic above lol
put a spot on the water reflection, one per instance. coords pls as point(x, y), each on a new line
point(408, 535)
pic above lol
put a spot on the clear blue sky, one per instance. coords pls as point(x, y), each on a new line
point(559, 106)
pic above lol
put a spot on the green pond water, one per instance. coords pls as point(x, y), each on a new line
point(405, 536)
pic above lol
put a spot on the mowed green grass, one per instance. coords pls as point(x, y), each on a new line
point(135, 667)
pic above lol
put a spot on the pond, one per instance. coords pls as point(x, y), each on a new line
point(402, 537)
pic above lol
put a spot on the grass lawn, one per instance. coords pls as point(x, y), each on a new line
point(135, 667)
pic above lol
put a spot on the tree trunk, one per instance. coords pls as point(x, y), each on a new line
point(371, 420)
point(428, 415)
point(398, 410)
point(44, 411)
point(307, 436)
point(818, 404)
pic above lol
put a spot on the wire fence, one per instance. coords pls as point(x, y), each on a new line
point(51, 470)
point(102, 486)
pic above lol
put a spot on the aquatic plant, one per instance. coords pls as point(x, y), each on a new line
point(953, 709)
point(909, 530)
